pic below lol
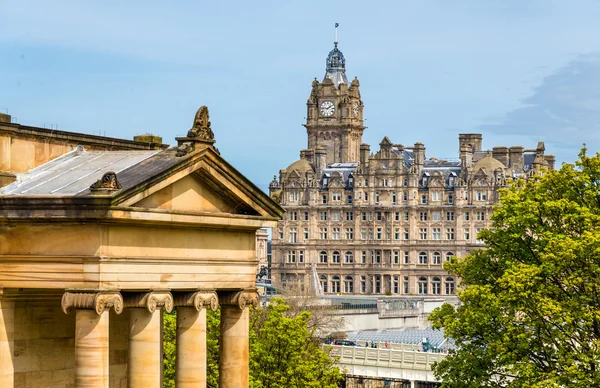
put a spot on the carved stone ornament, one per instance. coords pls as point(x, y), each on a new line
point(201, 128)
point(100, 301)
point(242, 299)
point(185, 149)
point(108, 182)
point(198, 300)
point(150, 300)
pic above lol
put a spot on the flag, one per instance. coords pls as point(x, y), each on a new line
point(337, 25)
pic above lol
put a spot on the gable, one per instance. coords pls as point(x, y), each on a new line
point(191, 194)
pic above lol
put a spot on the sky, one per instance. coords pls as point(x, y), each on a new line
point(516, 71)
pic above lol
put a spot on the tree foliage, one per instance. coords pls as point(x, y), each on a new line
point(283, 351)
point(530, 302)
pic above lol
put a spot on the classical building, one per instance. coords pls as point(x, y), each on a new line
point(382, 222)
point(96, 244)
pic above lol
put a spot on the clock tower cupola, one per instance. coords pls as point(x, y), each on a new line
point(334, 120)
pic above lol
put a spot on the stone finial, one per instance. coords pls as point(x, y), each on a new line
point(107, 183)
point(198, 300)
point(242, 299)
point(151, 300)
point(100, 301)
point(201, 127)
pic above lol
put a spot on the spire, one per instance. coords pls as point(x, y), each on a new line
point(336, 65)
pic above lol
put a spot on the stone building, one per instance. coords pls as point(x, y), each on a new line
point(96, 244)
point(382, 222)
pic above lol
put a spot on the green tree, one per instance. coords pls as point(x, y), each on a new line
point(283, 350)
point(530, 301)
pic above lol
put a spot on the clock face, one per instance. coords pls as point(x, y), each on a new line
point(355, 109)
point(327, 108)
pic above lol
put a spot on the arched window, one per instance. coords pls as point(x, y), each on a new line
point(349, 257)
point(422, 257)
point(335, 284)
point(436, 258)
point(323, 257)
point(349, 285)
point(449, 256)
point(436, 286)
point(323, 282)
point(450, 288)
point(422, 285)
point(335, 258)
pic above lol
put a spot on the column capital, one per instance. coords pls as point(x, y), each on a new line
point(150, 300)
point(198, 299)
point(99, 301)
point(242, 299)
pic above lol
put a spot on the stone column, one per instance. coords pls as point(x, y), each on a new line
point(91, 334)
point(7, 331)
point(234, 358)
point(144, 366)
point(190, 362)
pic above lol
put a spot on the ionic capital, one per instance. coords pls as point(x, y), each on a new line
point(242, 299)
point(197, 299)
point(150, 300)
point(100, 301)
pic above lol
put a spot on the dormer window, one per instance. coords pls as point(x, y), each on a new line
point(325, 180)
point(452, 179)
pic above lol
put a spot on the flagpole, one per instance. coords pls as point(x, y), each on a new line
point(336, 26)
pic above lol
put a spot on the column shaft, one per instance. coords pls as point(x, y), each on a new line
point(91, 349)
point(234, 351)
point(7, 331)
point(144, 368)
point(191, 348)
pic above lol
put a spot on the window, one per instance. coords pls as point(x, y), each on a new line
point(396, 233)
point(436, 233)
point(323, 215)
point(291, 256)
point(406, 233)
point(396, 285)
point(293, 196)
point(449, 256)
point(449, 233)
point(379, 233)
point(377, 197)
point(323, 233)
point(293, 216)
point(377, 279)
point(449, 216)
point(363, 216)
point(467, 233)
point(396, 216)
point(363, 284)
point(336, 216)
point(349, 216)
point(405, 196)
point(406, 259)
point(324, 198)
point(293, 235)
point(436, 286)
point(337, 196)
point(370, 234)
point(305, 216)
point(436, 216)
point(306, 233)
point(323, 282)
point(394, 198)
point(422, 285)
point(349, 199)
point(436, 258)
point(423, 258)
point(436, 196)
point(281, 233)
point(467, 216)
point(377, 257)
point(366, 183)
point(323, 257)
point(477, 240)
point(424, 198)
point(396, 257)
point(450, 286)
point(335, 233)
point(379, 216)
point(283, 280)
point(423, 216)
point(349, 233)
point(348, 285)
point(450, 198)
point(363, 256)
point(405, 182)
point(481, 196)
point(349, 257)
point(405, 216)
point(363, 233)
point(405, 284)
point(366, 196)
point(301, 256)
point(335, 257)
point(480, 216)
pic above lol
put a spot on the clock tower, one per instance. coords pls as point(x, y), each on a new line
point(334, 120)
